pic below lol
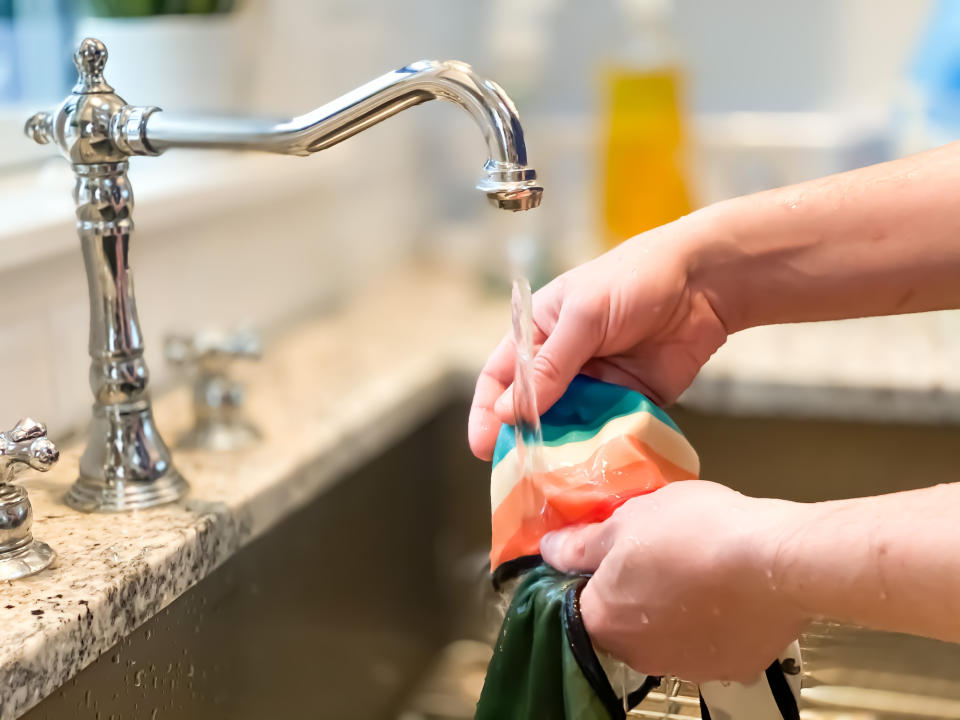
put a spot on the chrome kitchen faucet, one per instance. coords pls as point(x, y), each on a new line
point(126, 463)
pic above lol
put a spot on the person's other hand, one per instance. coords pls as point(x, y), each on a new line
point(633, 316)
point(686, 581)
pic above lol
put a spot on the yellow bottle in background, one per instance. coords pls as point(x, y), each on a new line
point(645, 146)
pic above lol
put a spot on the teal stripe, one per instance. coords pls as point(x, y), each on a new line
point(584, 409)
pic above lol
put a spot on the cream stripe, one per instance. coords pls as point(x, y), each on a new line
point(660, 437)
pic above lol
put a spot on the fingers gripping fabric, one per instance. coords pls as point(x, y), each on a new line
point(603, 444)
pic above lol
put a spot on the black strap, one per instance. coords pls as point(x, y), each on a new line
point(704, 710)
point(589, 663)
point(782, 694)
point(637, 696)
point(514, 568)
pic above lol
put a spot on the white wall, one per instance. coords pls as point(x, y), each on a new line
point(811, 55)
point(352, 213)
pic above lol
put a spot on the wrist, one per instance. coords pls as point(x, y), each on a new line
point(773, 553)
point(715, 263)
point(817, 563)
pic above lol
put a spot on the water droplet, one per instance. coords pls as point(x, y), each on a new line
point(683, 608)
point(715, 610)
point(115, 659)
point(643, 618)
point(113, 557)
point(138, 679)
point(883, 595)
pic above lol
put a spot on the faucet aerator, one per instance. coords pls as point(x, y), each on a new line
point(516, 200)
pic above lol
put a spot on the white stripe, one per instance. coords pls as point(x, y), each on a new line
point(660, 437)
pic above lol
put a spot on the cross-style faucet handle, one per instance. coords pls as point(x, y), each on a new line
point(26, 445)
point(211, 351)
point(217, 398)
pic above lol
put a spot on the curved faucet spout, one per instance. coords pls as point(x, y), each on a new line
point(507, 179)
point(126, 464)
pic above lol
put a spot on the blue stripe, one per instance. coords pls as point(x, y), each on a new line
point(585, 407)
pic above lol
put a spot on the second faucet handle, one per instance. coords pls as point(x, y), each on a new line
point(217, 398)
point(25, 445)
point(212, 351)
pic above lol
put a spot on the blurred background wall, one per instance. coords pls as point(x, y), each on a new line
point(768, 93)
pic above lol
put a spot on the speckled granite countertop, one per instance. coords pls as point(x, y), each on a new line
point(904, 368)
point(340, 388)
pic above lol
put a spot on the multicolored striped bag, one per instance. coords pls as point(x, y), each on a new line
point(602, 445)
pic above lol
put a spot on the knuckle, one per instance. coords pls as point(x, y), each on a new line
point(576, 549)
point(571, 551)
point(629, 564)
point(546, 367)
point(598, 622)
point(581, 310)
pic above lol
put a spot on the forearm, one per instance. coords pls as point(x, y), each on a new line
point(876, 241)
point(890, 562)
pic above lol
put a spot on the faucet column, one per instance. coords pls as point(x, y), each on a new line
point(126, 463)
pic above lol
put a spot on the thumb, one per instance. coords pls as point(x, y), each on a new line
point(578, 549)
point(562, 355)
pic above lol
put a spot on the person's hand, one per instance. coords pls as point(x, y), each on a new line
point(686, 581)
point(633, 316)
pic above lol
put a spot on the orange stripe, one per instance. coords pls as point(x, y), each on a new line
point(587, 492)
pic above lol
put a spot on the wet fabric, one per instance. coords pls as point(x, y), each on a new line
point(602, 445)
point(543, 664)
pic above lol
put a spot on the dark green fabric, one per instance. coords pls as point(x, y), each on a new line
point(534, 674)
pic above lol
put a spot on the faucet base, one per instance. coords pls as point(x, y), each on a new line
point(26, 560)
point(219, 436)
point(89, 494)
point(126, 465)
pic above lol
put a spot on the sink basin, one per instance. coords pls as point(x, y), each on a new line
point(372, 600)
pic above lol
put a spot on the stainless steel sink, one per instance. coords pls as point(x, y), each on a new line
point(372, 601)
